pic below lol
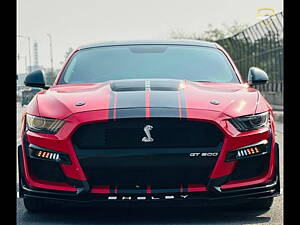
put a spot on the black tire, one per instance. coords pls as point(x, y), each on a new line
point(37, 205)
point(259, 204)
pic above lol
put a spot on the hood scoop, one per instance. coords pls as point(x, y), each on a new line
point(149, 84)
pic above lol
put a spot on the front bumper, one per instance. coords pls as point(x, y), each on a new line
point(214, 195)
point(77, 188)
point(272, 189)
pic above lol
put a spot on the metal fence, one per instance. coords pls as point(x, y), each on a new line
point(260, 45)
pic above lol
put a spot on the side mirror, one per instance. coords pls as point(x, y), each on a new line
point(35, 79)
point(257, 76)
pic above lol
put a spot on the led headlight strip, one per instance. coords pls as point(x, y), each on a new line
point(37, 152)
point(256, 149)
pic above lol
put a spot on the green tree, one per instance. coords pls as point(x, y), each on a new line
point(68, 52)
point(211, 33)
point(50, 77)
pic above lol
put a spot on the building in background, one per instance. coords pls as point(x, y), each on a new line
point(35, 65)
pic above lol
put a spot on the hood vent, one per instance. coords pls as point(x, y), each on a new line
point(141, 84)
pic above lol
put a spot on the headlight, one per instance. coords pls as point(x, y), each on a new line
point(43, 125)
point(253, 122)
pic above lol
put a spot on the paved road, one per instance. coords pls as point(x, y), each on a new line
point(159, 215)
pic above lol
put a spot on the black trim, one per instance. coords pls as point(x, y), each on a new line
point(214, 184)
point(21, 179)
point(239, 194)
point(81, 185)
point(277, 166)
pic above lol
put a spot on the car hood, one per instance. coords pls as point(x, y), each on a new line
point(60, 101)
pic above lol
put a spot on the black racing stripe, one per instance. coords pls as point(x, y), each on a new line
point(140, 113)
point(164, 94)
point(165, 85)
point(183, 104)
point(130, 100)
point(128, 85)
point(167, 99)
point(164, 112)
point(163, 99)
point(131, 113)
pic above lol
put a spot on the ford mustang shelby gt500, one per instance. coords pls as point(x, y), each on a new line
point(149, 123)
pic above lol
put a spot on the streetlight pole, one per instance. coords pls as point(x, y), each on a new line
point(51, 55)
point(28, 39)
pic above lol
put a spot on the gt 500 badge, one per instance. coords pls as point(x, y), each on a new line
point(204, 154)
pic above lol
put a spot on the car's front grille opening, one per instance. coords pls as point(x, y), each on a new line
point(166, 132)
point(113, 153)
point(251, 167)
point(45, 170)
point(156, 177)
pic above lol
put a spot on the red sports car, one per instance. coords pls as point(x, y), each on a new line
point(149, 123)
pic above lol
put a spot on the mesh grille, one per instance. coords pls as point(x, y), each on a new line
point(159, 176)
point(128, 133)
point(112, 153)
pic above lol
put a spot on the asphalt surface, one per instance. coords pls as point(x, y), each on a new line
point(178, 215)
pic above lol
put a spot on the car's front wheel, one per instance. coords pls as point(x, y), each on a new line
point(37, 205)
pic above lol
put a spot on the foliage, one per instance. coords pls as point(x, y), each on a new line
point(211, 33)
point(50, 77)
point(68, 52)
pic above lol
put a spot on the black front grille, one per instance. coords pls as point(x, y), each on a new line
point(157, 177)
point(112, 153)
point(128, 133)
point(158, 167)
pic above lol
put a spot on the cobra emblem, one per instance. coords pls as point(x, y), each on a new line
point(147, 129)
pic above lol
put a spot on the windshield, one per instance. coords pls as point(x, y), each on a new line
point(147, 62)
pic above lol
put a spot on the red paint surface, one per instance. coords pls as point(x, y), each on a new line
point(59, 102)
point(100, 189)
point(148, 190)
point(147, 107)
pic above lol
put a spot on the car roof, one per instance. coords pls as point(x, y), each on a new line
point(150, 42)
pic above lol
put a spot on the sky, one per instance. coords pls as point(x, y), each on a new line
point(72, 23)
